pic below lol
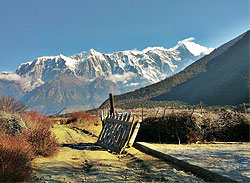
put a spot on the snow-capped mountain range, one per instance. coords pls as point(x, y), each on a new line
point(127, 70)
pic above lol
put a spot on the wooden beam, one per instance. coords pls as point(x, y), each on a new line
point(112, 104)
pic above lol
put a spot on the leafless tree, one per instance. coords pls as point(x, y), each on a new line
point(9, 104)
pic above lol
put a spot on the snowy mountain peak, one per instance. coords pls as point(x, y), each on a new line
point(94, 52)
point(194, 48)
point(152, 49)
point(70, 62)
point(144, 67)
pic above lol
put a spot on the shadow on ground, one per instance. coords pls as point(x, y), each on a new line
point(84, 146)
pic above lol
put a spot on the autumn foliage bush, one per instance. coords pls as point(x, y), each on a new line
point(81, 117)
point(15, 158)
point(23, 135)
point(39, 134)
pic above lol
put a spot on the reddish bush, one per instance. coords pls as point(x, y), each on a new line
point(42, 141)
point(34, 119)
point(39, 134)
point(82, 117)
point(15, 159)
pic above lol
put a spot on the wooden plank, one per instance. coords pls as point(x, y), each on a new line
point(101, 134)
point(105, 139)
point(109, 134)
point(104, 132)
point(116, 131)
point(117, 121)
point(109, 140)
point(125, 117)
point(107, 147)
point(126, 134)
point(121, 116)
point(120, 134)
point(114, 141)
point(125, 139)
point(134, 134)
point(128, 118)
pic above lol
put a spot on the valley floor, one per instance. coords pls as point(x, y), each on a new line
point(80, 160)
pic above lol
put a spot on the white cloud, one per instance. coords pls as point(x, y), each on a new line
point(187, 40)
point(12, 76)
point(134, 84)
point(121, 77)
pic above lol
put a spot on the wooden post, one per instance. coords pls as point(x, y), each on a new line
point(244, 105)
point(201, 107)
point(112, 104)
point(134, 134)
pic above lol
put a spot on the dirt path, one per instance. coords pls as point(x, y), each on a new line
point(80, 160)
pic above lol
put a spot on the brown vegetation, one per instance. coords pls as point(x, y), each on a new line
point(15, 158)
point(11, 123)
point(39, 134)
point(22, 136)
point(186, 127)
point(227, 127)
point(80, 117)
point(42, 141)
point(86, 122)
point(10, 105)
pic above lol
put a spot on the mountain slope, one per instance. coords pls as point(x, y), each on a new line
point(223, 83)
point(10, 88)
point(215, 79)
point(67, 93)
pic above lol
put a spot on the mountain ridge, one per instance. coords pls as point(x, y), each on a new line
point(96, 74)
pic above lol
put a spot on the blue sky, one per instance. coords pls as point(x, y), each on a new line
point(33, 28)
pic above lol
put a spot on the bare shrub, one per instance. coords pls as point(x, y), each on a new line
point(229, 126)
point(15, 158)
point(173, 128)
point(11, 123)
point(34, 120)
point(184, 127)
point(10, 105)
point(39, 134)
point(42, 141)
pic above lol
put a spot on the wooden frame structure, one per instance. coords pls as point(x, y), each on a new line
point(117, 131)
